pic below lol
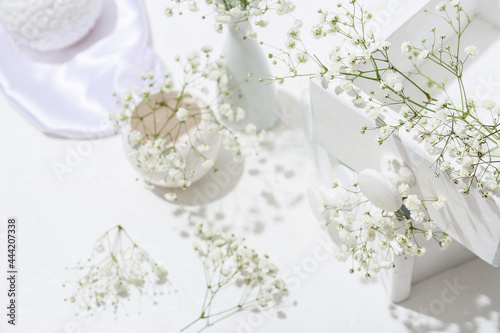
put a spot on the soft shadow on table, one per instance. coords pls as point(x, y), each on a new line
point(250, 208)
point(467, 297)
point(104, 26)
point(267, 191)
point(212, 187)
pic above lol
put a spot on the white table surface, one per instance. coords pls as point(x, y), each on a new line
point(60, 220)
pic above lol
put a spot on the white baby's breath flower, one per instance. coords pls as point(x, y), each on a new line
point(235, 12)
point(182, 114)
point(302, 57)
point(117, 265)
point(239, 113)
point(472, 102)
point(230, 144)
point(170, 196)
point(491, 184)
point(169, 12)
point(391, 79)
point(472, 50)
point(406, 48)
point(376, 232)
point(285, 7)
point(441, 103)
point(345, 85)
point(385, 131)
point(175, 173)
point(424, 54)
point(317, 31)
point(223, 18)
point(226, 112)
point(445, 241)
point(356, 39)
point(398, 87)
point(381, 44)
point(440, 117)
point(335, 68)
point(294, 33)
point(193, 5)
point(440, 203)
point(207, 163)
point(441, 6)
point(218, 27)
point(207, 48)
point(359, 101)
point(250, 129)
point(251, 34)
point(412, 202)
point(262, 23)
point(230, 262)
point(135, 137)
point(373, 112)
point(404, 111)
point(488, 104)
point(202, 148)
point(445, 165)
point(403, 189)
point(256, 11)
point(291, 43)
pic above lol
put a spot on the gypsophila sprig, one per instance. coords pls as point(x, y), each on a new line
point(372, 238)
point(116, 267)
point(461, 133)
point(171, 129)
point(228, 262)
point(235, 12)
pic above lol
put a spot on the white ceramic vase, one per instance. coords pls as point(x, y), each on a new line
point(47, 25)
point(258, 99)
point(197, 133)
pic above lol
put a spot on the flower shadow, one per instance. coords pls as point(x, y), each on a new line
point(466, 297)
point(212, 187)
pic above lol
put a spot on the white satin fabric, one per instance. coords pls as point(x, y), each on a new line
point(68, 93)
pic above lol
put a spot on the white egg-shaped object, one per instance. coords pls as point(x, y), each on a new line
point(47, 25)
point(380, 190)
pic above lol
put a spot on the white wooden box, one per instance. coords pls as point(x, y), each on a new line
point(334, 127)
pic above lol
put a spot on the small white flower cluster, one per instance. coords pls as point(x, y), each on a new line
point(116, 267)
point(340, 61)
point(441, 7)
point(177, 146)
point(464, 151)
point(237, 11)
point(229, 262)
point(462, 135)
point(372, 237)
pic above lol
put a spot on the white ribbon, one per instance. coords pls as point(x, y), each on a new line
point(68, 93)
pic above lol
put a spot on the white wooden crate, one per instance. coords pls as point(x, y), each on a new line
point(472, 221)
